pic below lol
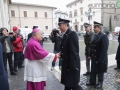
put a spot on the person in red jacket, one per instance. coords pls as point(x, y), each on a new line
point(18, 47)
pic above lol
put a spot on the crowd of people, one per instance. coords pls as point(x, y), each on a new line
point(11, 47)
point(12, 44)
point(66, 50)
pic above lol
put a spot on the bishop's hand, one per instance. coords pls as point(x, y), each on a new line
point(58, 55)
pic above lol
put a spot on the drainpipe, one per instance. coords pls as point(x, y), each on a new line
point(53, 18)
point(19, 15)
point(9, 21)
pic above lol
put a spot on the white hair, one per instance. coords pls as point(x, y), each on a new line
point(34, 33)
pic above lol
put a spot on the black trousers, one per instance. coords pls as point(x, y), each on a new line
point(118, 63)
point(74, 88)
point(8, 56)
point(93, 77)
point(17, 59)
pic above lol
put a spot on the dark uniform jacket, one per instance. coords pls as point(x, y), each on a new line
point(3, 76)
point(9, 40)
point(98, 53)
point(29, 36)
point(118, 50)
point(87, 40)
point(70, 73)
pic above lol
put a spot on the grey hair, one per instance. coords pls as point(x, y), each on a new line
point(68, 24)
point(101, 27)
point(33, 34)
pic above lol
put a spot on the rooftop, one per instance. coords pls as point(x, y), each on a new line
point(35, 5)
point(71, 3)
point(59, 11)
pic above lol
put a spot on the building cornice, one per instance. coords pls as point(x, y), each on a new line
point(62, 12)
point(35, 5)
point(71, 3)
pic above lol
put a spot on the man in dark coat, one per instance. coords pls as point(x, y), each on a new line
point(6, 41)
point(3, 76)
point(70, 72)
point(87, 40)
point(56, 39)
point(118, 54)
point(98, 55)
point(30, 34)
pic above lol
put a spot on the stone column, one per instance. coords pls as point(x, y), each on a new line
point(2, 13)
point(0, 16)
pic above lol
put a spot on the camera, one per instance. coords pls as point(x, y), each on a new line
point(55, 32)
point(10, 33)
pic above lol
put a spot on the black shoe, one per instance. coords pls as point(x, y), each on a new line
point(13, 73)
point(98, 86)
point(90, 84)
point(87, 73)
point(80, 88)
point(21, 67)
point(116, 68)
point(15, 70)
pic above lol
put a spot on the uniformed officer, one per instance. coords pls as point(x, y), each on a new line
point(118, 54)
point(87, 39)
point(98, 55)
point(70, 72)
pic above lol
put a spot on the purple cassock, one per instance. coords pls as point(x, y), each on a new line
point(34, 51)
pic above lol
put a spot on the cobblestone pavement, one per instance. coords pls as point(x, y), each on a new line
point(109, 81)
point(17, 82)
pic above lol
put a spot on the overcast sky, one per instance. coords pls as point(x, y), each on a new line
point(57, 3)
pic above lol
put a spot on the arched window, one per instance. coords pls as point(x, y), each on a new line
point(81, 11)
point(75, 13)
point(90, 9)
point(81, 19)
point(70, 14)
point(76, 28)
